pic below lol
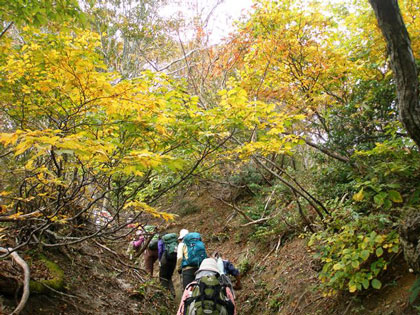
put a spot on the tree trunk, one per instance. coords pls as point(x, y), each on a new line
point(402, 62)
point(409, 231)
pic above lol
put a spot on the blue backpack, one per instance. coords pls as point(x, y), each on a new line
point(196, 250)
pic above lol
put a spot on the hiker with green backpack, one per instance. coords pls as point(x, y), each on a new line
point(208, 293)
point(167, 250)
point(151, 252)
point(193, 253)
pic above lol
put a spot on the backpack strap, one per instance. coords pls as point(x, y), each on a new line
point(230, 307)
point(187, 303)
point(190, 299)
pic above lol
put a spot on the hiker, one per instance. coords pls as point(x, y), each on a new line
point(135, 244)
point(229, 269)
point(207, 294)
point(151, 252)
point(167, 251)
point(193, 253)
point(181, 236)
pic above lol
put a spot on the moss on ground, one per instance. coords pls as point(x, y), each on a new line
point(56, 282)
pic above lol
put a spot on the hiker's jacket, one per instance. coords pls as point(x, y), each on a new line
point(179, 250)
point(161, 248)
point(182, 252)
point(229, 268)
point(188, 292)
point(137, 243)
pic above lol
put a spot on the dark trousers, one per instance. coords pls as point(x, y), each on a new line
point(188, 276)
point(150, 256)
point(167, 267)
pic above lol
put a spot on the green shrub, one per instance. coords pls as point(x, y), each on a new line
point(187, 207)
point(354, 251)
point(249, 175)
point(244, 266)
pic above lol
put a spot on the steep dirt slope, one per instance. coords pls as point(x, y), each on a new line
point(281, 277)
point(97, 280)
point(278, 278)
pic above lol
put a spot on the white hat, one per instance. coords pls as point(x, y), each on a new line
point(209, 264)
point(182, 233)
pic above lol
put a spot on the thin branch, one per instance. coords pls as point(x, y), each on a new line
point(194, 167)
point(308, 224)
point(290, 186)
point(6, 29)
point(118, 256)
point(11, 218)
point(257, 221)
point(242, 213)
point(334, 155)
point(297, 184)
point(180, 59)
point(61, 293)
point(5, 154)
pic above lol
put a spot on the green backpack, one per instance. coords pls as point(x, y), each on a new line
point(153, 244)
point(208, 297)
point(171, 244)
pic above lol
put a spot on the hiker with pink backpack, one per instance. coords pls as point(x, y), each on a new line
point(209, 293)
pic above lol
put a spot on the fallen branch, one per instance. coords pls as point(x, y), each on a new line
point(118, 257)
point(268, 200)
point(242, 213)
point(61, 293)
point(257, 221)
point(275, 248)
point(298, 302)
point(26, 271)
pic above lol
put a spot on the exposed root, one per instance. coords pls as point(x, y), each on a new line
point(26, 272)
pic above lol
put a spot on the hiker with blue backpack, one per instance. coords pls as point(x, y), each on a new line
point(193, 253)
point(167, 251)
point(209, 293)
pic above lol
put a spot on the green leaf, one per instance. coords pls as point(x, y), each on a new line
point(380, 198)
point(394, 249)
point(387, 204)
point(415, 290)
point(379, 251)
point(364, 254)
point(376, 284)
point(395, 196)
point(365, 283)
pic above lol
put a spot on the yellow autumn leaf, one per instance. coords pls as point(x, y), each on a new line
point(359, 196)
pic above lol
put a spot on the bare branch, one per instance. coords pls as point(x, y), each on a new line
point(6, 29)
point(242, 213)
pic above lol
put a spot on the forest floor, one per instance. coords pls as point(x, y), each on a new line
point(278, 278)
